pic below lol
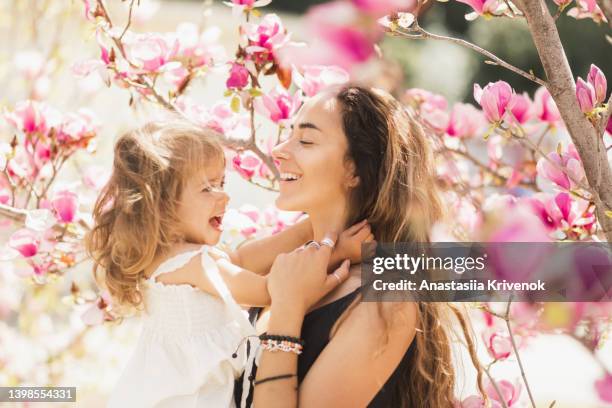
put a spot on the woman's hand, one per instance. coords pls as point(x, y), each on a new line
point(300, 279)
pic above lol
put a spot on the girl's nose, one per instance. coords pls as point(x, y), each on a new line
point(223, 198)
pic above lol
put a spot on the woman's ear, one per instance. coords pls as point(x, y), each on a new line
point(352, 180)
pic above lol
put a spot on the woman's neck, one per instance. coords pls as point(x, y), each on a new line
point(330, 219)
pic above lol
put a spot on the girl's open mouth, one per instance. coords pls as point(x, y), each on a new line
point(216, 222)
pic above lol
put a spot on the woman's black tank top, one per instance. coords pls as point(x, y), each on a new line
point(316, 329)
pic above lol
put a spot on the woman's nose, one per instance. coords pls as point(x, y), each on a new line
point(279, 152)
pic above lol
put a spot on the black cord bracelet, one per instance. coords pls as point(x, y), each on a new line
point(274, 378)
point(266, 336)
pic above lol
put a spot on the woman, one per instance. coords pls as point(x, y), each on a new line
point(356, 153)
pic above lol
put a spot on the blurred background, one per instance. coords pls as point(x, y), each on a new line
point(43, 341)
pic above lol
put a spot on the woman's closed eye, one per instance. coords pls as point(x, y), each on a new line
point(306, 142)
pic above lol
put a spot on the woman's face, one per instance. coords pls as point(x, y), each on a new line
point(312, 160)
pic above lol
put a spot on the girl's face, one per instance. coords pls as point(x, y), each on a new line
point(202, 205)
point(312, 160)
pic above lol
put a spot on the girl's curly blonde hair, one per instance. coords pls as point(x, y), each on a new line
point(135, 215)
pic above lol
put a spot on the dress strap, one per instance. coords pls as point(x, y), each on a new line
point(174, 263)
point(212, 272)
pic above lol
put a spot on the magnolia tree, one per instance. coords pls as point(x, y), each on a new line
point(513, 166)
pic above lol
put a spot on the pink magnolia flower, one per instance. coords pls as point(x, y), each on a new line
point(316, 77)
point(77, 128)
point(604, 387)
point(33, 117)
point(512, 221)
point(90, 9)
point(197, 49)
point(266, 38)
point(562, 211)
point(239, 76)
point(587, 9)
point(465, 120)
point(476, 401)
point(495, 99)
point(586, 96)
point(97, 313)
point(510, 393)
point(151, 51)
point(83, 69)
point(343, 28)
point(498, 344)
point(482, 7)
point(568, 160)
point(246, 164)
point(378, 8)
point(65, 204)
point(597, 79)
point(432, 107)
point(25, 241)
point(5, 195)
point(241, 6)
point(544, 107)
point(563, 316)
point(521, 107)
point(279, 105)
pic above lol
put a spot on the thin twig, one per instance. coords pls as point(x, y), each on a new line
point(423, 34)
point(496, 387)
point(129, 20)
point(516, 353)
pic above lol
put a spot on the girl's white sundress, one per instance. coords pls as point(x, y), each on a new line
point(184, 355)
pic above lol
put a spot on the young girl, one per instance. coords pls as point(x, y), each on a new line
point(155, 223)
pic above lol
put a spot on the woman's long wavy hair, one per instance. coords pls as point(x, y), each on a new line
point(135, 215)
point(398, 194)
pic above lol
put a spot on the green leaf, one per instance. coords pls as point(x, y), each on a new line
point(609, 213)
point(255, 92)
point(228, 92)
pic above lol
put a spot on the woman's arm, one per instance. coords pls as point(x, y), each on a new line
point(355, 364)
point(349, 372)
point(360, 357)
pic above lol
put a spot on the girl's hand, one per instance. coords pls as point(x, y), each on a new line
point(300, 279)
point(349, 242)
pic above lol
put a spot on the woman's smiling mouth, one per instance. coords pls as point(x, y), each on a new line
point(288, 177)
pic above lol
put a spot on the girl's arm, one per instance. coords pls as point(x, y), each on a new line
point(258, 255)
point(247, 288)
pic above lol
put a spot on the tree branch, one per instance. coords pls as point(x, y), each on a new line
point(562, 88)
point(606, 8)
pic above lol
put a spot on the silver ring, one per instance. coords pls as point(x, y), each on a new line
point(329, 242)
point(312, 243)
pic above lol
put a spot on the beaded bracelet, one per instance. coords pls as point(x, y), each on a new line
point(266, 336)
point(281, 345)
